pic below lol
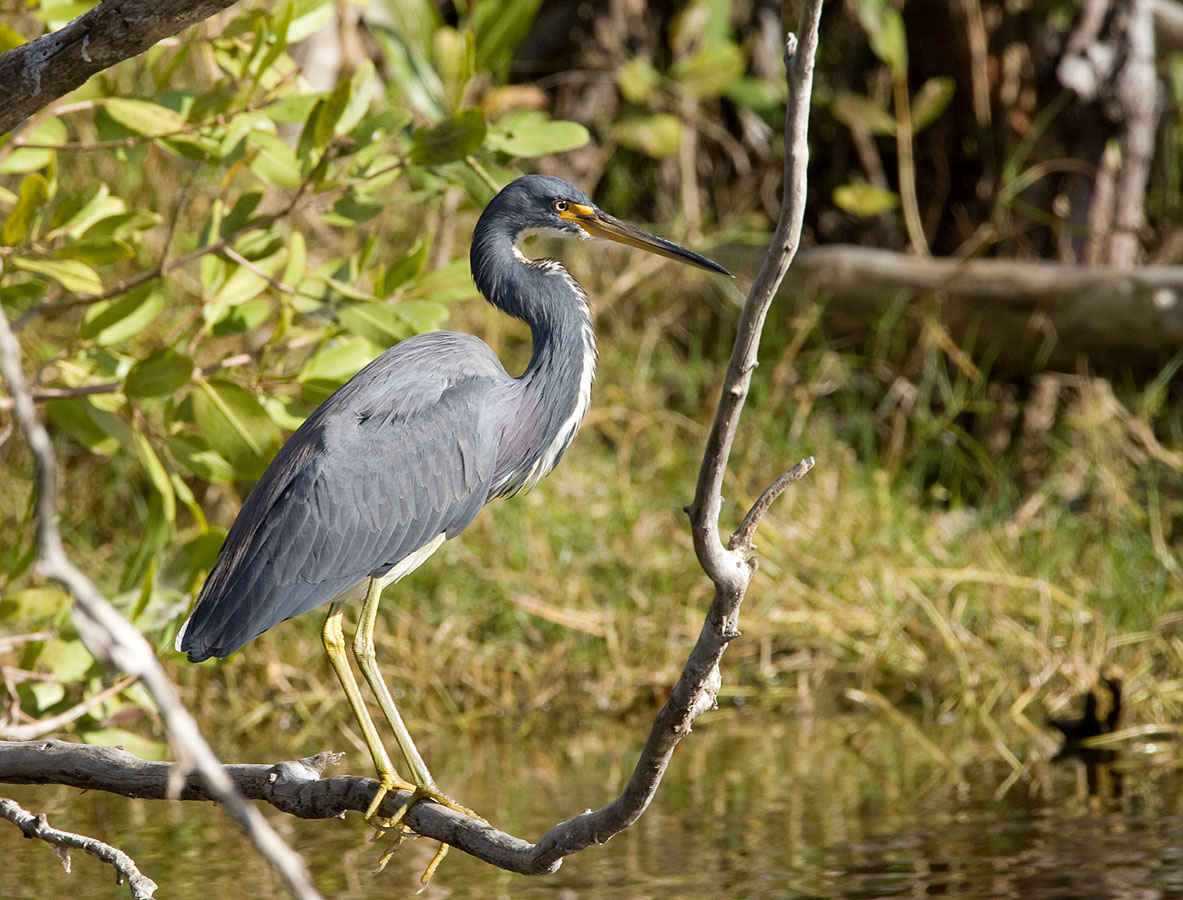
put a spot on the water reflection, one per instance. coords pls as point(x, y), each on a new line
point(755, 805)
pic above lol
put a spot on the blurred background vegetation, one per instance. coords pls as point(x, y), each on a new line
point(203, 242)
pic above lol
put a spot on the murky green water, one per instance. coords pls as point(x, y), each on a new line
point(756, 805)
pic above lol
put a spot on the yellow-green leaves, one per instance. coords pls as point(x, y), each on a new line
point(159, 374)
point(144, 117)
point(657, 135)
point(528, 132)
point(233, 423)
point(451, 140)
point(72, 274)
point(34, 192)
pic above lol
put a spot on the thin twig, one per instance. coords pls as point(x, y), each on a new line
point(742, 539)
point(114, 640)
point(142, 887)
point(111, 387)
point(53, 723)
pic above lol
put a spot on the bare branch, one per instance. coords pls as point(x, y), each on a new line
point(37, 73)
point(53, 723)
point(742, 539)
point(704, 511)
point(142, 887)
point(115, 641)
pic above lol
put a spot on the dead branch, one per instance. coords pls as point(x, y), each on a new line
point(35, 74)
point(35, 729)
point(142, 887)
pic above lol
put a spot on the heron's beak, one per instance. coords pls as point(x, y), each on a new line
point(599, 224)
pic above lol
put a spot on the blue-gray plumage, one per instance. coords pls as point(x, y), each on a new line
point(420, 439)
point(406, 453)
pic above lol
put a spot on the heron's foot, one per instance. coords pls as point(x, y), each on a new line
point(387, 782)
point(418, 792)
point(428, 872)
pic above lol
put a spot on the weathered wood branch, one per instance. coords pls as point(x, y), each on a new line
point(35, 74)
point(1024, 317)
point(37, 827)
point(292, 787)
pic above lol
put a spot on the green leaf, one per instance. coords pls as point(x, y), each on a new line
point(72, 274)
point(447, 283)
point(242, 318)
point(330, 113)
point(9, 39)
point(274, 160)
point(66, 661)
point(361, 93)
point(35, 604)
point(297, 261)
point(500, 26)
point(233, 422)
point(451, 140)
point(421, 315)
point(33, 194)
point(931, 100)
point(760, 96)
point(865, 200)
point(527, 133)
point(657, 136)
point(112, 321)
point(153, 537)
point(124, 226)
point(158, 375)
point(310, 17)
point(285, 413)
point(100, 252)
point(637, 79)
point(44, 695)
point(860, 113)
point(331, 366)
point(98, 430)
point(376, 322)
point(30, 159)
point(196, 456)
point(157, 476)
point(399, 273)
point(245, 284)
point(885, 32)
point(279, 38)
point(710, 71)
point(143, 117)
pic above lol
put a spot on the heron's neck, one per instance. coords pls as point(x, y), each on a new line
point(553, 394)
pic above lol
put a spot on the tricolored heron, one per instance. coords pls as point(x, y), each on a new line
point(405, 454)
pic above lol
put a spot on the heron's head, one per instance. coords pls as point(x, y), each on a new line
point(542, 204)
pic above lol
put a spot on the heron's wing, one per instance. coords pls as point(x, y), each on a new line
point(403, 453)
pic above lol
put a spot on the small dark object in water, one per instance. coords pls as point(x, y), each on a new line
point(1091, 724)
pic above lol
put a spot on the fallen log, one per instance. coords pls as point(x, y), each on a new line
point(1021, 317)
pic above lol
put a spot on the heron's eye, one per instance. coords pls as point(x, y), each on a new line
point(559, 206)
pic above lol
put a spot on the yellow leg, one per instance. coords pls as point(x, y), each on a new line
point(333, 639)
point(363, 650)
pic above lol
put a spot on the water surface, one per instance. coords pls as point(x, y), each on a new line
point(755, 805)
